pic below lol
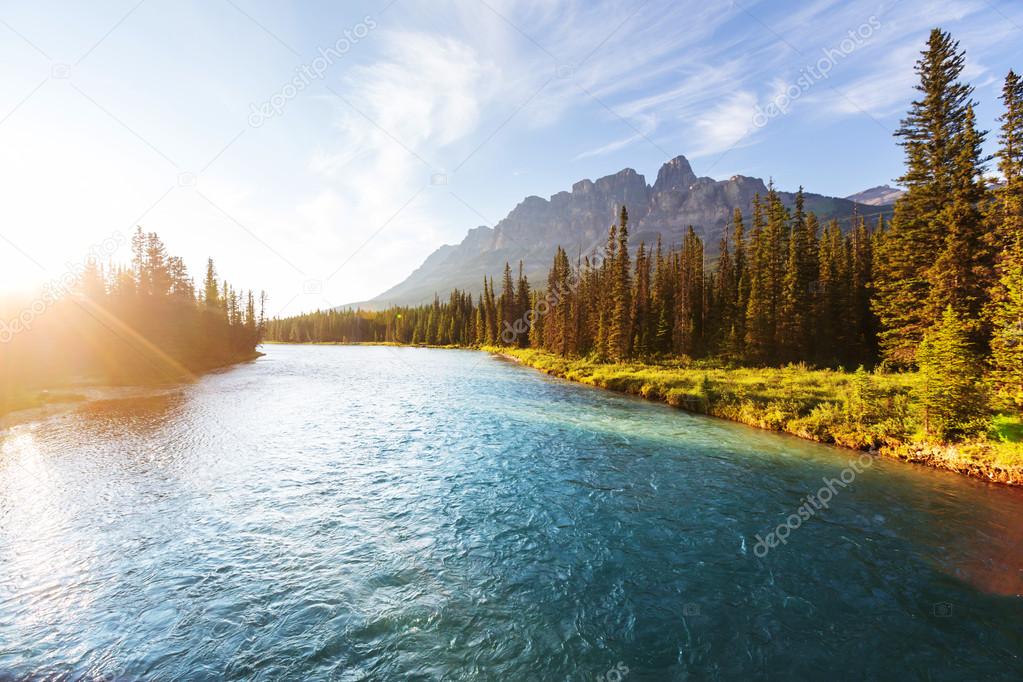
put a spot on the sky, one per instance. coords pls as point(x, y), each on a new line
point(321, 150)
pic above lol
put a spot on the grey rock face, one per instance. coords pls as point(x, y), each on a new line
point(882, 195)
point(579, 220)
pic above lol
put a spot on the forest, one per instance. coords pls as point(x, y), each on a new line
point(142, 323)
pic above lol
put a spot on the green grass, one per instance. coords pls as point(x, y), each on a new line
point(1007, 428)
point(824, 405)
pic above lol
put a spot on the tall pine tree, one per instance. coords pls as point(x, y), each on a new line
point(619, 338)
point(1005, 309)
point(938, 167)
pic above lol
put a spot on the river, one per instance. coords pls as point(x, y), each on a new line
point(377, 513)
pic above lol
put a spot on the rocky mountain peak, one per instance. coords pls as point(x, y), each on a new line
point(675, 175)
point(578, 221)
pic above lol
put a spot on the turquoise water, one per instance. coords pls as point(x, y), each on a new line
point(371, 513)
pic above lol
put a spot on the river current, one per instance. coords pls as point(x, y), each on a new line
point(378, 513)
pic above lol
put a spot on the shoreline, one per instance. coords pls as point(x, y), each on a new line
point(47, 401)
point(974, 459)
point(959, 458)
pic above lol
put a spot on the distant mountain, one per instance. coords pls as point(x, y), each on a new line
point(882, 195)
point(579, 220)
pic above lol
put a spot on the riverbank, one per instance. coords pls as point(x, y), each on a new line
point(862, 411)
point(21, 403)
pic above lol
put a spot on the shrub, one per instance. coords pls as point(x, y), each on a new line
point(820, 424)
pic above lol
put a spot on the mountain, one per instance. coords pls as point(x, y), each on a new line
point(579, 220)
point(882, 195)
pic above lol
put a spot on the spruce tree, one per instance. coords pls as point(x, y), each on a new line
point(737, 330)
point(795, 328)
point(937, 169)
point(663, 302)
point(829, 314)
point(536, 328)
point(619, 337)
point(861, 320)
point(1007, 323)
point(952, 396)
point(759, 336)
point(506, 314)
point(210, 293)
point(604, 295)
point(1005, 309)
point(481, 320)
point(522, 301)
point(959, 276)
point(641, 303)
point(689, 316)
point(724, 310)
point(566, 306)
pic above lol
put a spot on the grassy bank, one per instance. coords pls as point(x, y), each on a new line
point(860, 410)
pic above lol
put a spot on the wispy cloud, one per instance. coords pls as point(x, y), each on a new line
point(647, 125)
point(724, 127)
point(465, 91)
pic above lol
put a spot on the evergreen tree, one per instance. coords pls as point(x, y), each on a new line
point(737, 330)
point(157, 277)
point(939, 165)
point(536, 328)
point(619, 340)
point(959, 276)
point(862, 323)
point(493, 317)
point(795, 323)
point(522, 305)
point(211, 296)
point(506, 306)
point(825, 323)
point(723, 313)
point(641, 305)
point(1007, 323)
point(759, 337)
point(689, 316)
point(1005, 309)
point(604, 295)
point(663, 302)
point(952, 396)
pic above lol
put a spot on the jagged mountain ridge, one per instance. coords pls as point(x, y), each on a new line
point(882, 195)
point(578, 220)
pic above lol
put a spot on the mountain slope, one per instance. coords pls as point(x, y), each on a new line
point(882, 195)
point(578, 221)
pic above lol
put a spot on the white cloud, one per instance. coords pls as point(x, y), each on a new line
point(726, 126)
point(440, 79)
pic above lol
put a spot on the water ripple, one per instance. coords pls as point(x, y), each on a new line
point(324, 513)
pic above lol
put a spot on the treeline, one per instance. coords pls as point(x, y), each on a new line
point(146, 321)
point(458, 321)
point(940, 288)
point(783, 290)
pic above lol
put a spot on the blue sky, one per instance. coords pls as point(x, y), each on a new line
point(322, 150)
